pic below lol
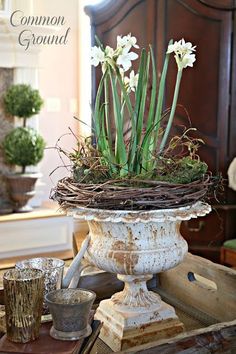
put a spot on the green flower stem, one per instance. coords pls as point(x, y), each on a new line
point(172, 112)
point(146, 146)
point(108, 124)
point(157, 120)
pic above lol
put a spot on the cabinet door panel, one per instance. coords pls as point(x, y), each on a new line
point(205, 87)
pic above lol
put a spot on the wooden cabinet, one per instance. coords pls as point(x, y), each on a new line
point(208, 91)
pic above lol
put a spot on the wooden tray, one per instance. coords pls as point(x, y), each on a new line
point(204, 296)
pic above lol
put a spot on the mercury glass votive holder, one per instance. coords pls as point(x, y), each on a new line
point(70, 310)
point(23, 295)
point(53, 273)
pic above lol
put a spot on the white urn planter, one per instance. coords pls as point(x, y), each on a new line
point(135, 245)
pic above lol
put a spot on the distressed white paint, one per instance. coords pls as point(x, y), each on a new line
point(122, 330)
point(135, 245)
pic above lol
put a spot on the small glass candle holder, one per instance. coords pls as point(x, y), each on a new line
point(53, 273)
point(23, 294)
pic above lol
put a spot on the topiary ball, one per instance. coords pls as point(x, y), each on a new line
point(22, 100)
point(23, 147)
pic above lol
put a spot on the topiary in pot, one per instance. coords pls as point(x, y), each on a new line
point(22, 101)
point(23, 146)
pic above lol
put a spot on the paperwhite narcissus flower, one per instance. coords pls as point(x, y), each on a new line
point(127, 41)
point(188, 60)
point(109, 51)
point(131, 81)
point(181, 47)
point(121, 41)
point(183, 53)
point(125, 58)
point(97, 56)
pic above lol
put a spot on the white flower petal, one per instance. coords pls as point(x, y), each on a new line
point(127, 41)
point(97, 56)
point(126, 80)
point(170, 49)
point(131, 75)
point(132, 41)
point(131, 82)
point(188, 60)
point(109, 51)
point(121, 41)
point(183, 53)
point(94, 61)
point(132, 55)
point(125, 58)
point(125, 50)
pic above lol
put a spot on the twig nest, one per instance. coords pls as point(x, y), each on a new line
point(130, 194)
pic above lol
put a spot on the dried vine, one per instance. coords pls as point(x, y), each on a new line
point(134, 195)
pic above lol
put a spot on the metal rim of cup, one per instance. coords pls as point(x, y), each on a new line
point(24, 263)
point(51, 293)
point(11, 275)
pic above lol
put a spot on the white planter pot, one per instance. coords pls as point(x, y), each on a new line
point(135, 245)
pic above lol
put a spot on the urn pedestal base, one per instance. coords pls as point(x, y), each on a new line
point(123, 330)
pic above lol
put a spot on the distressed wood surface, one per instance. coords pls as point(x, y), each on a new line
point(219, 338)
point(219, 303)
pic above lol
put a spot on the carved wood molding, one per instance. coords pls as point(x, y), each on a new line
point(103, 11)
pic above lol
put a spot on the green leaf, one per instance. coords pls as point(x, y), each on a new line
point(120, 152)
point(161, 92)
point(138, 98)
point(133, 138)
point(141, 115)
point(107, 118)
point(97, 120)
point(99, 43)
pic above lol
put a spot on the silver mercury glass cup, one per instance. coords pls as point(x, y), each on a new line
point(70, 310)
point(53, 273)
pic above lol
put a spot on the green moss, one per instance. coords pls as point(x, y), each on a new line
point(183, 171)
point(86, 175)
